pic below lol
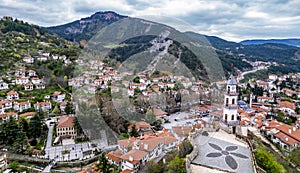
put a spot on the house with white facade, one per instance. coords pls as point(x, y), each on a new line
point(21, 81)
point(44, 106)
point(5, 116)
point(58, 96)
point(6, 104)
point(31, 73)
point(134, 152)
point(21, 106)
point(28, 86)
point(28, 60)
point(12, 95)
point(3, 85)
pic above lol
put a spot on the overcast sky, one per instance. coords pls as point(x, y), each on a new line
point(233, 20)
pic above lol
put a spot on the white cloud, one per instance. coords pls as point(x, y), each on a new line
point(233, 19)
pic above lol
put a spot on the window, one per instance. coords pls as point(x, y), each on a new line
point(232, 117)
point(233, 101)
point(227, 100)
point(225, 117)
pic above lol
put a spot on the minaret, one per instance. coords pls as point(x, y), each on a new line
point(230, 106)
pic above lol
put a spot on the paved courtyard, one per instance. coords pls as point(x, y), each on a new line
point(221, 151)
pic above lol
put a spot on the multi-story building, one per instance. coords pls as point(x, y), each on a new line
point(65, 127)
point(134, 152)
point(58, 96)
point(21, 106)
point(12, 95)
point(44, 106)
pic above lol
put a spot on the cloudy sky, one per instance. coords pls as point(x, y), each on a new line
point(229, 19)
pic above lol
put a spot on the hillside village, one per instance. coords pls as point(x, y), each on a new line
point(40, 111)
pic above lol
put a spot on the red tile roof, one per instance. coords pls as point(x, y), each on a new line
point(182, 130)
point(136, 155)
point(66, 122)
point(115, 155)
point(12, 92)
point(286, 139)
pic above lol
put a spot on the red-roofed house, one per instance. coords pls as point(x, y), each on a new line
point(287, 136)
point(133, 159)
point(12, 95)
point(58, 96)
point(44, 106)
point(287, 107)
point(5, 116)
point(65, 127)
point(21, 106)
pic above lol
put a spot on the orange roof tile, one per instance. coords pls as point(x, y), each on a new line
point(136, 155)
point(286, 139)
point(115, 155)
point(66, 122)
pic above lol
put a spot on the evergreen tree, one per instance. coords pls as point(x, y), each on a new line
point(20, 143)
point(104, 166)
point(134, 131)
point(77, 126)
point(69, 108)
point(11, 130)
point(35, 127)
point(23, 124)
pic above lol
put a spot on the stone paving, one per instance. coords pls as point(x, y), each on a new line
point(219, 150)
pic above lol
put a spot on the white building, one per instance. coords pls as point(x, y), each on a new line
point(44, 106)
point(22, 106)
point(3, 86)
point(58, 96)
point(21, 81)
point(12, 95)
point(230, 107)
point(65, 127)
point(28, 60)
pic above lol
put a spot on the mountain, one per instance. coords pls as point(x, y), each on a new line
point(129, 41)
point(291, 42)
point(221, 45)
point(285, 55)
point(85, 28)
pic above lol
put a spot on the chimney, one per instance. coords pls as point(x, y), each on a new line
point(130, 158)
point(290, 131)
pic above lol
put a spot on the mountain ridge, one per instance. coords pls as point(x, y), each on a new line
point(289, 41)
point(85, 28)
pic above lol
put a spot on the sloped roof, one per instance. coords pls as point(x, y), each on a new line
point(66, 122)
point(115, 155)
point(285, 139)
point(137, 156)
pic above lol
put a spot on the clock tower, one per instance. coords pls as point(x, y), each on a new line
point(230, 107)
